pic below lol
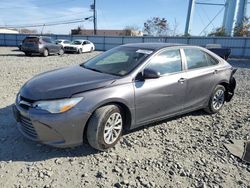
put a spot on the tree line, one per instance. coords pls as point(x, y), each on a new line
point(158, 26)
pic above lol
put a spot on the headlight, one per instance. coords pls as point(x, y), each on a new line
point(57, 106)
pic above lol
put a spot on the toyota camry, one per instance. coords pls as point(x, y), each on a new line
point(121, 89)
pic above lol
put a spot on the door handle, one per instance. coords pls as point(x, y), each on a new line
point(181, 80)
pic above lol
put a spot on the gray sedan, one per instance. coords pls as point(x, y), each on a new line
point(121, 89)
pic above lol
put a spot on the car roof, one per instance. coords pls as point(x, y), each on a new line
point(79, 40)
point(153, 46)
point(63, 39)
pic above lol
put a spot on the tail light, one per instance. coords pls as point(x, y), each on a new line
point(39, 42)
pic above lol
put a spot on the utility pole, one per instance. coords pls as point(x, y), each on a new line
point(42, 29)
point(94, 16)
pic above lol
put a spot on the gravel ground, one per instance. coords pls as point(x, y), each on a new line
point(182, 152)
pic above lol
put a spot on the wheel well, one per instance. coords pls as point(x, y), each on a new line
point(126, 113)
point(46, 49)
point(226, 86)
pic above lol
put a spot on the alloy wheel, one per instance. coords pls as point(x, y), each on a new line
point(112, 128)
point(218, 99)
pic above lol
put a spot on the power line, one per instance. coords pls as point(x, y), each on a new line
point(38, 6)
point(50, 23)
point(212, 20)
point(217, 4)
point(207, 16)
point(57, 17)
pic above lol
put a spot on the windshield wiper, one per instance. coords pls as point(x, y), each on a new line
point(97, 70)
point(93, 69)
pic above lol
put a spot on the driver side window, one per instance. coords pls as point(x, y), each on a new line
point(167, 62)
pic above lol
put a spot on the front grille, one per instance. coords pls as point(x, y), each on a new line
point(25, 99)
point(27, 127)
point(69, 48)
point(25, 103)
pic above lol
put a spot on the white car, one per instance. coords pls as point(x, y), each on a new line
point(62, 42)
point(80, 46)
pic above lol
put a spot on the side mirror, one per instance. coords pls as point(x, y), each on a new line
point(150, 74)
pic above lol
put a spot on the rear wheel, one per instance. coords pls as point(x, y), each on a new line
point(27, 53)
point(105, 127)
point(216, 100)
point(45, 53)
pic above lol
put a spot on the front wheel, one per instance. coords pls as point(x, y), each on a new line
point(105, 127)
point(61, 52)
point(216, 100)
point(45, 53)
point(79, 51)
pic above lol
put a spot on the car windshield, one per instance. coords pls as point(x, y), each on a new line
point(119, 61)
point(77, 42)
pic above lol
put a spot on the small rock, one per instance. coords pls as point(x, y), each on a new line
point(118, 185)
point(171, 172)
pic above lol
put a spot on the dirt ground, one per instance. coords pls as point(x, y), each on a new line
point(186, 151)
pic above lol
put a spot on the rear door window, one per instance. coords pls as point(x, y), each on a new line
point(195, 58)
point(211, 60)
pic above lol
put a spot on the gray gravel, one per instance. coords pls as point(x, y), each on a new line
point(183, 152)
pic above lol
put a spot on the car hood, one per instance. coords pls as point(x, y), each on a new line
point(72, 45)
point(63, 83)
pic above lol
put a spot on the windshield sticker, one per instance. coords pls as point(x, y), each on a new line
point(144, 51)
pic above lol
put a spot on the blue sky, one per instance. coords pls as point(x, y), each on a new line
point(112, 14)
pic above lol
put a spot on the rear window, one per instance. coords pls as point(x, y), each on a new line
point(31, 39)
point(48, 40)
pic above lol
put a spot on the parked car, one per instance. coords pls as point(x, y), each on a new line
point(62, 42)
point(121, 89)
point(219, 50)
point(80, 46)
point(40, 45)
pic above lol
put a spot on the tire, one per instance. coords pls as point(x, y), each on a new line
point(27, 54)
point(217, 100)
point(79, 51)
point(45, 53)
point(91, 50)
point(61, 52)
point(99, 134)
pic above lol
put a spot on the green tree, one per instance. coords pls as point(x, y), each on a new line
point(220, 32)
point(156, 26)
point(131, 30)
point(243, 30)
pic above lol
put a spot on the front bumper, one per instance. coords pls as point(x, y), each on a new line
point(70, 49)
point(58, 130)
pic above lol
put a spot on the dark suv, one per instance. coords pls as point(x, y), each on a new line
point(40, 45)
